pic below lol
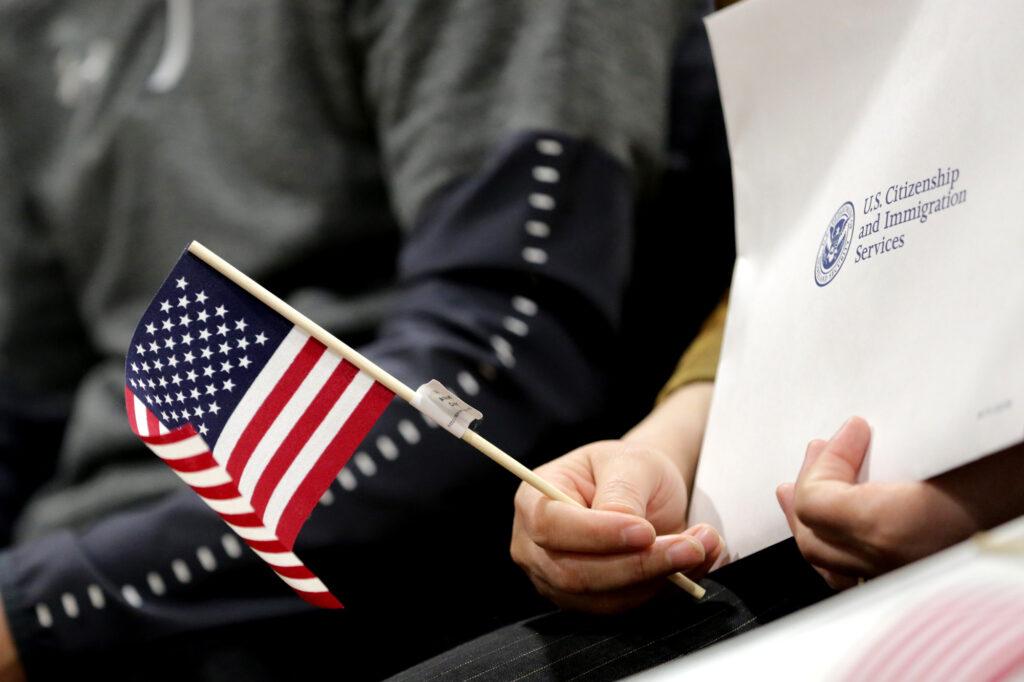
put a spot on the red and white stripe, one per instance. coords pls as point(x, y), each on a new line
point(143, 422)
point(295, 428)
point(977, 636)
point(185, 451)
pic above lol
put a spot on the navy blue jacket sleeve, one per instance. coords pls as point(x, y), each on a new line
point(517, 319)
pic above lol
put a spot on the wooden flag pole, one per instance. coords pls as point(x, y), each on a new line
point(299, 320)
point(470, 437)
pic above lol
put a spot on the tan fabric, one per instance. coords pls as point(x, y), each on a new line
point(700, 361)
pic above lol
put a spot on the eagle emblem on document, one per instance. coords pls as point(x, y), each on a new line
point(835, 245)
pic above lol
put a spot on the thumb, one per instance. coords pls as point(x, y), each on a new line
point(843, 455)
point(624, 483)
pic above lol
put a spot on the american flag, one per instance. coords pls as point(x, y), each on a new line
point(254, 414)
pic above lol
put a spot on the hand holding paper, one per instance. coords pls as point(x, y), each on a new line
point(876, 161)
point(848, 529)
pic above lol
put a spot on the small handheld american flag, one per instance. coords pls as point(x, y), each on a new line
point(257, 408)
point(250, 410)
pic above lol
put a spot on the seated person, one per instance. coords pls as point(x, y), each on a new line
point(449, 186)
point(616, 553)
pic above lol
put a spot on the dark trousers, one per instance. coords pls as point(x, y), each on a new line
point(568, 646)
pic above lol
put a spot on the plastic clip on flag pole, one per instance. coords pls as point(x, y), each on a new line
point(260, 477)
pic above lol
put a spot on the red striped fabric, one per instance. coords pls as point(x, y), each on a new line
point(334, 457)
point(311, 418)
point(273, 404)
point(199, 460)
point(975, 635)
point(295, 428)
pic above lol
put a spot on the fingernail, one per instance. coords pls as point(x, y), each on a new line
point(638, 535)
point(708, 538)
point(686, 552)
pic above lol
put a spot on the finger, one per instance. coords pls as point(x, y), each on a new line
point(563, 527)
point(785, 491)
point(574, 484)
point(713, 545)
point(826, 496)
point(576, 573)
point(625, 482)
point(814, 449)
point(842, 456)
point(826, 556)
point(785, 494)
point(834, 557)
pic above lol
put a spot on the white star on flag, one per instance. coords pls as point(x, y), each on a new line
point(286, 420)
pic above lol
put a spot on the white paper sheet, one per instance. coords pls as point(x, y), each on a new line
point(832, 108)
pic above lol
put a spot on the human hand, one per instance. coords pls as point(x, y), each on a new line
point(614, 553)
point(848, 530)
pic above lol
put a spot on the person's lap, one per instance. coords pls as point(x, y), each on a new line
point(567, 646)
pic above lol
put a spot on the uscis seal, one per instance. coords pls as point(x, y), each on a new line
point(835, 245)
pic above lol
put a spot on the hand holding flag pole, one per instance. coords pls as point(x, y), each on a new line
point(280, 443)
point(414, 398)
